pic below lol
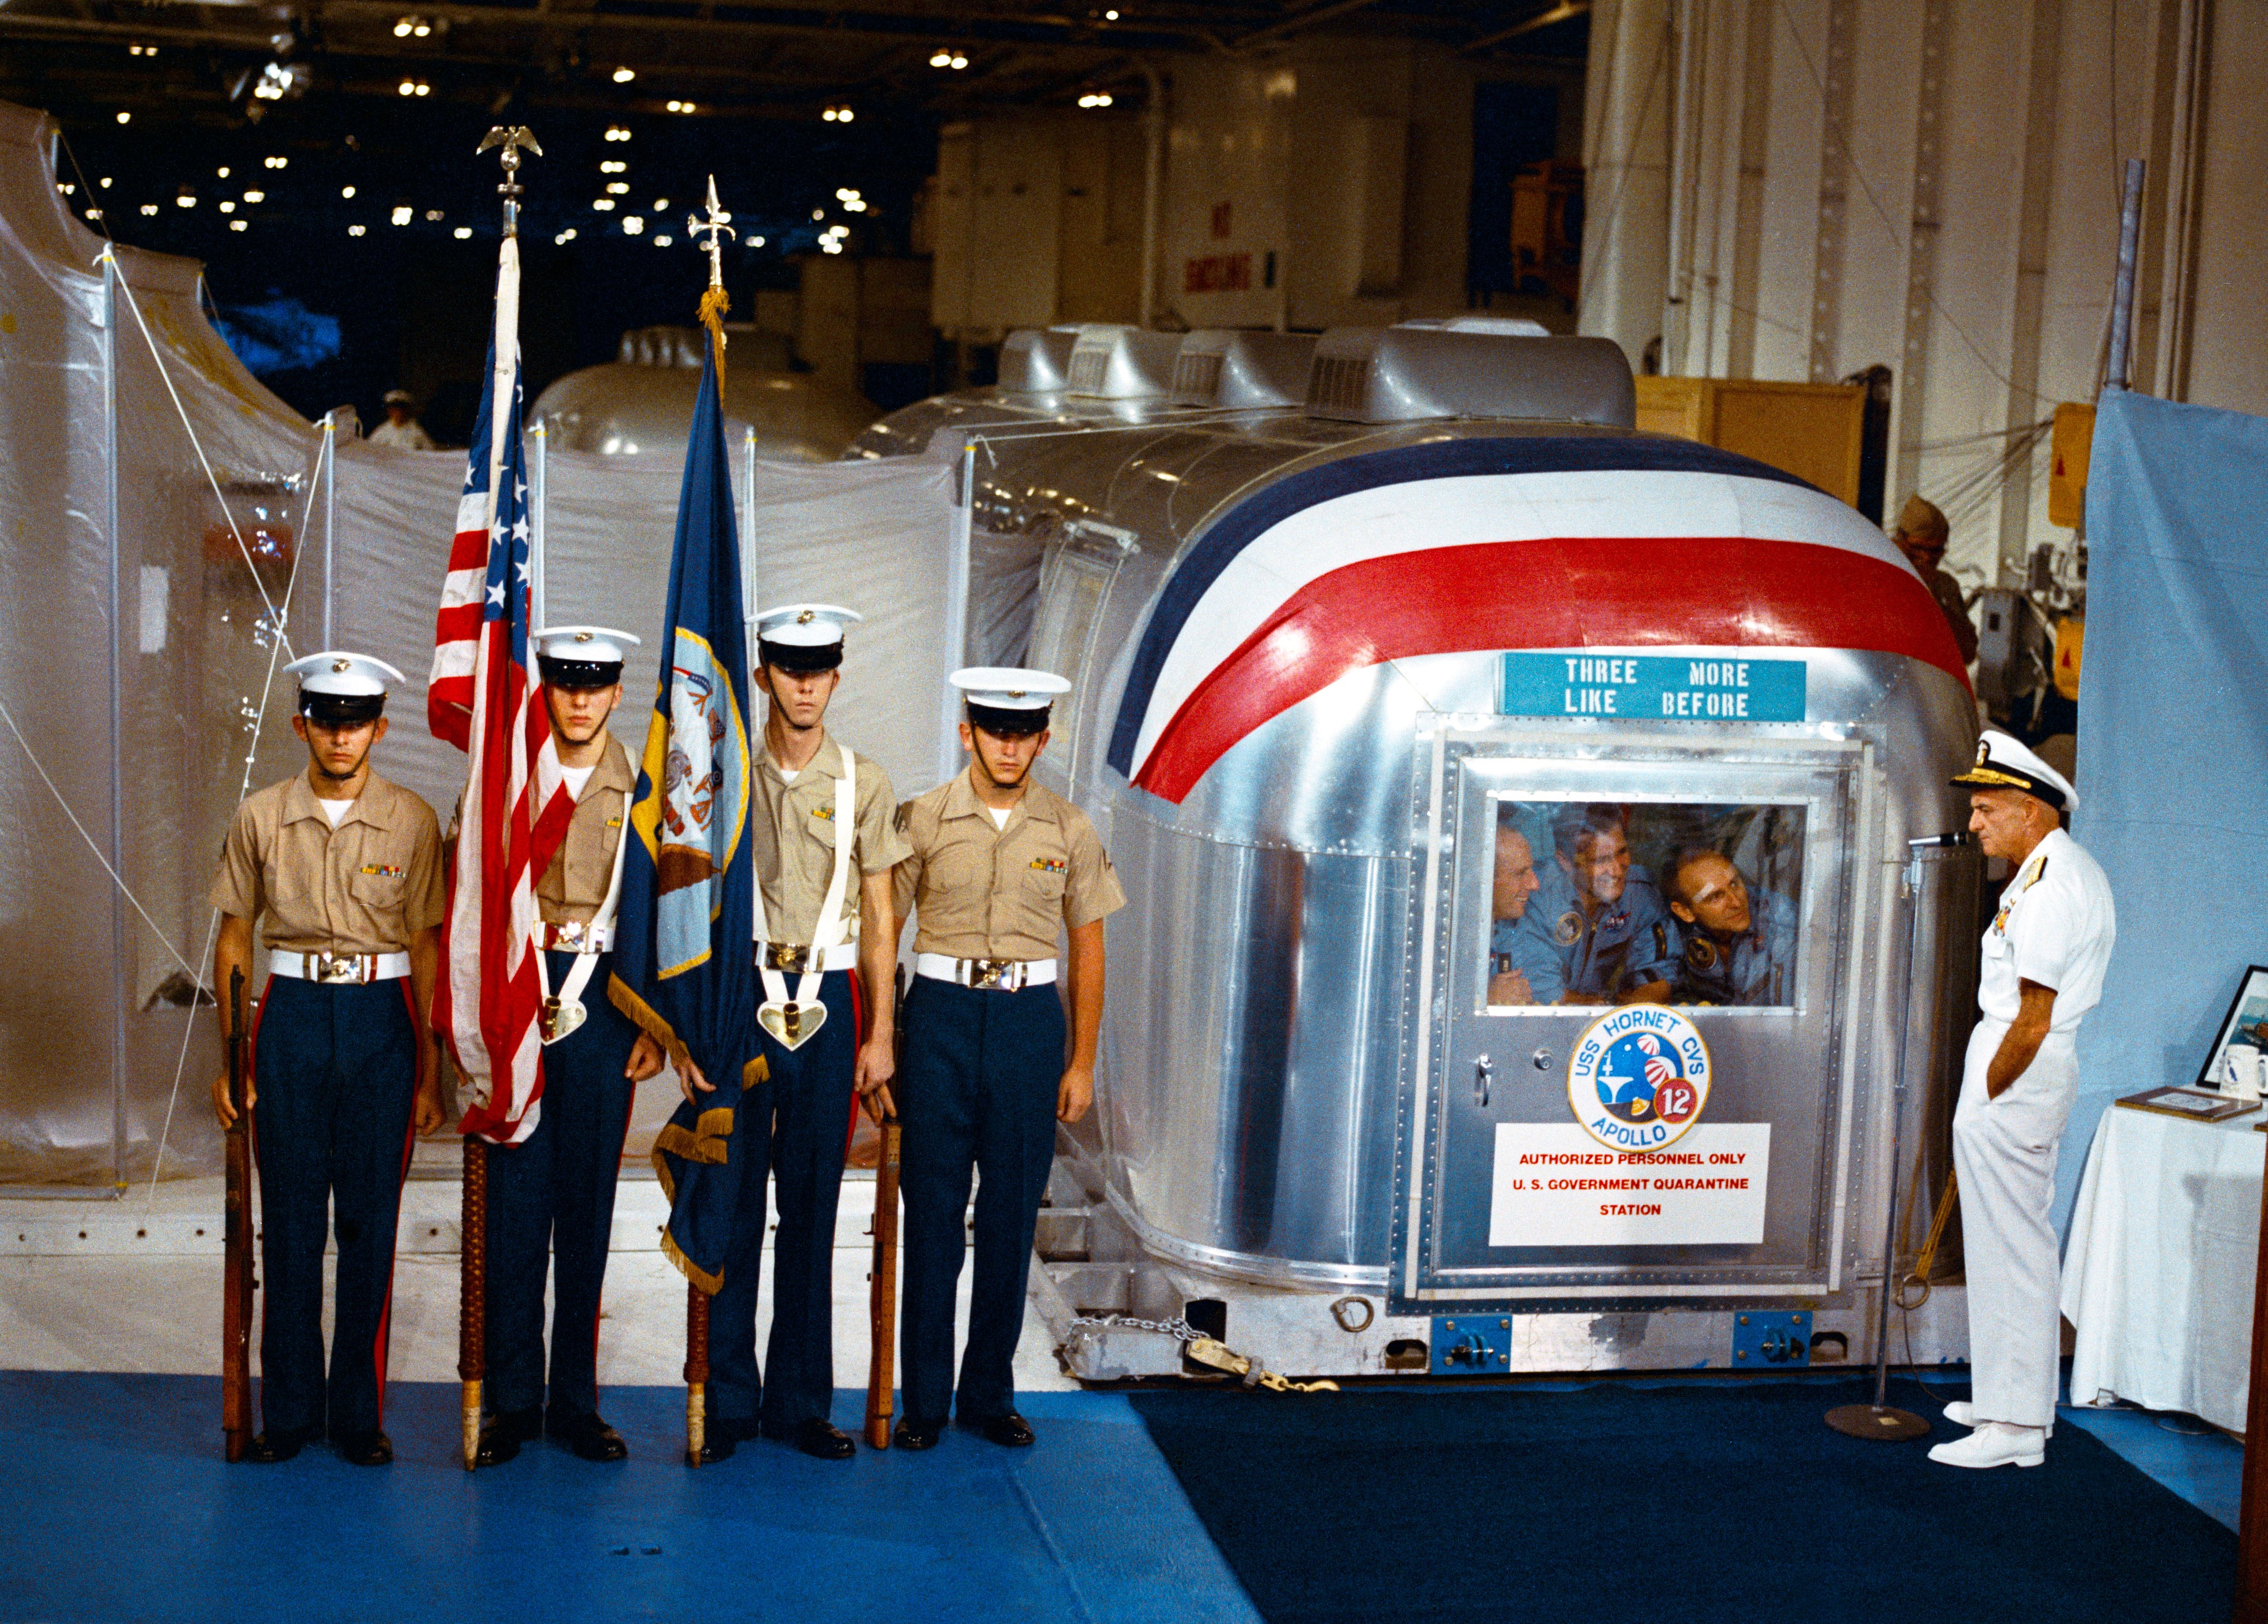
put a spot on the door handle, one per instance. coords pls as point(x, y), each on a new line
point(1484, 1077)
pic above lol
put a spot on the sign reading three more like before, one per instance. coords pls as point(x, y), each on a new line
point(1652, 687)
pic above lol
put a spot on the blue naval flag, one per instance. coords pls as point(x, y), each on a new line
point(684, 966)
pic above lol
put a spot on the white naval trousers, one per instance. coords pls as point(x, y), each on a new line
point(2004, 1153)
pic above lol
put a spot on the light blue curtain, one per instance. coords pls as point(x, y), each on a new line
point(2173, 740)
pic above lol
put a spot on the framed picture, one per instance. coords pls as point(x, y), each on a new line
point(2244, 1029)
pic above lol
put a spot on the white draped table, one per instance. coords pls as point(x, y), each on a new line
point(2158, 1271)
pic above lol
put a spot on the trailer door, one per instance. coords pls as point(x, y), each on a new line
point(1672, 1124)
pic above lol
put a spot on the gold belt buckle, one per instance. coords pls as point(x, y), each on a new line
point(792, 957)
point(333, 969)
point(989, 972)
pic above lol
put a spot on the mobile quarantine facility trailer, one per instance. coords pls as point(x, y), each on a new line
point(1364, 630)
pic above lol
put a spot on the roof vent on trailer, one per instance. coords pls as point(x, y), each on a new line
point(1121, 363)
point(1226, 367)
point(1037, 360)
point(1404, 375)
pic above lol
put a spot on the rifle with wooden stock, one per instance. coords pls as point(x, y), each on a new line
point(236, 1229)
point(883, 1289)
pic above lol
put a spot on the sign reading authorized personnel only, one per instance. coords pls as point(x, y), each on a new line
point(1555, 1185)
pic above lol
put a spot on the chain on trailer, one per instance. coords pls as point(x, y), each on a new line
point(1201, 1347)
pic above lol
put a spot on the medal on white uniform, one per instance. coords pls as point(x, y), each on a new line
point(563, 1013)
point(793, 1022)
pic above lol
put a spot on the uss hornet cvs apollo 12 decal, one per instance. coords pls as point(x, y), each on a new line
point(1638, 1078)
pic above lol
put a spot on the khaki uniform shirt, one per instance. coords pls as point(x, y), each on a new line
point(576, 883)
point(794, 834)
point(1947, 591)
point(988, 892)
point(367, 886)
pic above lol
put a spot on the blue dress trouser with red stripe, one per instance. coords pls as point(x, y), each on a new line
point(795, 1126)
point(976, 1092)
point(551, 1202)
point(335, 1068)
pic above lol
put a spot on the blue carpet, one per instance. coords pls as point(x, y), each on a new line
point(120, 1506)
point(1705, 1503)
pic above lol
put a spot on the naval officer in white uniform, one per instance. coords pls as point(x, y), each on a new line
point(2044, 957)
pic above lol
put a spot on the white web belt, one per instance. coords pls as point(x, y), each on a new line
point(793, 1020)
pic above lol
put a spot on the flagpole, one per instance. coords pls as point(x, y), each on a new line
point(472, 1245)
point(748, 599)
point(713, 306)
point(539, 606)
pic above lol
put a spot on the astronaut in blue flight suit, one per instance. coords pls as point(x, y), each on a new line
point(1521, 969)
point(1739, 939)
point(1598, 916)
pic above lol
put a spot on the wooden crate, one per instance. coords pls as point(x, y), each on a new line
point(1813, 430)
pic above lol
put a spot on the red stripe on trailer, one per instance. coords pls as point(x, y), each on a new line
point(1580, 592)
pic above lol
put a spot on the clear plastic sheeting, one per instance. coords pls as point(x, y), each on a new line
point(95, 1017)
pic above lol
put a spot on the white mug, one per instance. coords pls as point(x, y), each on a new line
point(2245, 1068)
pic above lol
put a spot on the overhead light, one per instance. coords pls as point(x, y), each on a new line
point(222, 172)
point(660, 205)
point(830, 245)
point(104, 183)
point(1096, 98)
point(618, 132)
point(125, 118)
point(227, 207)
point(616, 188)
point(1110, 17)
point(624, 75)
point(958, 62)
point(819, 214)
point(400, 216)
point(604, 205)
point(754, 242)
point(857, 205)
point(278, 80)
point(463, 231)
point(682, 106)
point(255, 195)
point(238, 226)
point(407, 88)
point(846, 194)
point(94, 214)
point(149, 208)
point(66, 188)
point(412, 28)
point(564, 238)
point(837, 114)
point(633, 225)
point(433, 215)
point(275, 162)
point(613, 165)
point(139, 49)
point(346, 191)
point(664, 240)
point(355, 231)
point(187, 200)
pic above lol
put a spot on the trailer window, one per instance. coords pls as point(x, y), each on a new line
point(1602, 903)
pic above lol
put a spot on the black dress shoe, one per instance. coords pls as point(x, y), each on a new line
point(365, 1449)
point(589, 1436)
point(915, 1435)
point(721, 1435)
point(270, 1448)
point(1009, 1430)
point(818, 1437)
point(503, 1434)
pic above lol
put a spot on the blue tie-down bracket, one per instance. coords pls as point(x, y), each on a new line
point(1472, 1344)
point(1772, 1339)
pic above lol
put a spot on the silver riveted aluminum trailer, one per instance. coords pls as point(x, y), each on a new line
point(1364, 633)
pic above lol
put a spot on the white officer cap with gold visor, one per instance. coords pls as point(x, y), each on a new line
point(2002, 763)
point(582, 656)
point(1007, 701)
point(803, 638)
point(340, 689)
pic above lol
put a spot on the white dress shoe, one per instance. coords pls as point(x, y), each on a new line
point(1961, 1413)
point(1993, 1444)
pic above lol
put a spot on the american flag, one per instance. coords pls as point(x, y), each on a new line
point(517, 803)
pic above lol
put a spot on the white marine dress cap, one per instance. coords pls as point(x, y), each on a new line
point(805, 625)
point(336, 671)
point(584, 645)
point(1009, 688)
